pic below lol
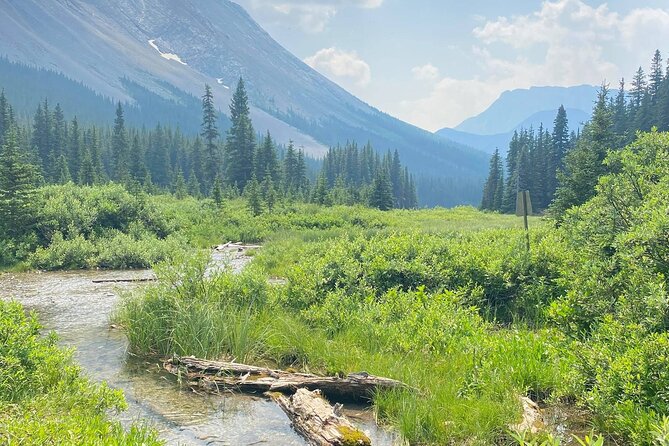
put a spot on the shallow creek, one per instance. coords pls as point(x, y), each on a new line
point(78, 309)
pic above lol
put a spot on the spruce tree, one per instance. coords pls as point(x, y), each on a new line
point(217, 191)
point(75, 152)
point(265, 161)
point(194, 188)
point(240, 142)
point(559, 148)
point(395, 178)
point(637, 91)
point(290, 170)
point(253, 197)
point(211, 159)
point(584, 164)
point(320, 194)
point(17, 188)
point(119, 147)
point(620, 116)
point(62, 171)
point(196, 162)
point(269, 192)
point(4, 116)
point(87, 175)
point(381, 196)
point(179, 187)
point(490, 189)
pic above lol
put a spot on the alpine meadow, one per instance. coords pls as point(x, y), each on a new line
point(206, 237)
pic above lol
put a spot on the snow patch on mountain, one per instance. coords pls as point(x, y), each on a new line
point(168, 56)
point(220, 81)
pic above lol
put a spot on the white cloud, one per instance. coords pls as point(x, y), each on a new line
point(426, 72)
point(312, 15)
point(341, 66)
point(565, 42)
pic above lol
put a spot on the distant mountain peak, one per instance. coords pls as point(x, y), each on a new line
point(514, 106)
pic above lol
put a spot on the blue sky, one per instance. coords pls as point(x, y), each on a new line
point(435, 63)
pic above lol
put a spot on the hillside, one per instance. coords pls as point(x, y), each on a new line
point(171, 48)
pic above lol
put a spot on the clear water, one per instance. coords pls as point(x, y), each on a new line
point(70, 304)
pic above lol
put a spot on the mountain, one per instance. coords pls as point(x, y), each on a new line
point(515, 106)
point(166, 50)
point(488, 143)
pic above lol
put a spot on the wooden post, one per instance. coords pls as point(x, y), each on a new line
point(527, 228)
point(523, 209)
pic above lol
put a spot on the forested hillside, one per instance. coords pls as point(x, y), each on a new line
point(561, 169)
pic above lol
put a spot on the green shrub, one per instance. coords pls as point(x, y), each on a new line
point(44, 398)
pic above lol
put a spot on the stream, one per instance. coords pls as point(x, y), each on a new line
point(78, 310)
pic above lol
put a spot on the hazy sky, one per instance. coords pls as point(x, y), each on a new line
point(435, 63)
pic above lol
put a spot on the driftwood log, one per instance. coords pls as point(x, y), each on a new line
point(138, 279)
point(212, 376)
point(319, 422)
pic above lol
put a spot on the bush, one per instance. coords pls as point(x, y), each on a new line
point(44, 398)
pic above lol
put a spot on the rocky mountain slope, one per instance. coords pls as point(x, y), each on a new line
point(171, 47)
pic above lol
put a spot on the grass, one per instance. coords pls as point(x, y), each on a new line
point(365, 294)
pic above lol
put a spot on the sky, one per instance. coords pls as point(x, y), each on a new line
point(434, 63)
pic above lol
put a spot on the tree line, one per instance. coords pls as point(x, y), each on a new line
point(352, 175)
point(562, 168)
point(53, 150)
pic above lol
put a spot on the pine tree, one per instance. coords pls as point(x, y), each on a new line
point(240, 143)
point(382, 192)
point(211, 159)
point(17, 188)
point(119, 147)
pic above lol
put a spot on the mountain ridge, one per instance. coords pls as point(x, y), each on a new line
point(514, 106)
point(213, 41)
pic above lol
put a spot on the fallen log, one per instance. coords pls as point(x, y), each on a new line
point(141, 279)
point(212, 376)
point(319, 422)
